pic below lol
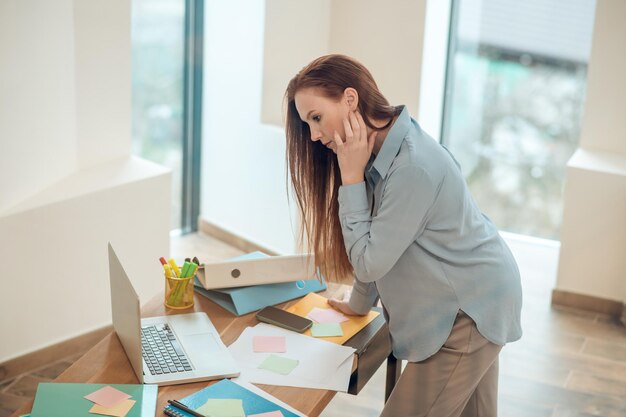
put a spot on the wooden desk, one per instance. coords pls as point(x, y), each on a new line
point(107, 363)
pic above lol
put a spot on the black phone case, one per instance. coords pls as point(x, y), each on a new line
point(276, 322)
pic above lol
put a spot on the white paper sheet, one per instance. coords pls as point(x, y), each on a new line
point(338, 381)
point(323, 364)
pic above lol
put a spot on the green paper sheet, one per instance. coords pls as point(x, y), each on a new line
point(222, 408)
point(63, 399)
point(279, 364)
point(326, 329)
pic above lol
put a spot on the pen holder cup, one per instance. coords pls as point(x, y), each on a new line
point(178, 292)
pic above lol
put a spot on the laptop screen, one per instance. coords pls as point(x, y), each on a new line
point(125, 311)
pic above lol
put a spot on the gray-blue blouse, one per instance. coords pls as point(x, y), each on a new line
point(417, 240)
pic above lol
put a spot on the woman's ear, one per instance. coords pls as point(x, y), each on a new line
point(352, 98)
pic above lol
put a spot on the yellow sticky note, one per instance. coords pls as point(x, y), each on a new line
point(222, 408)
point(120, 410)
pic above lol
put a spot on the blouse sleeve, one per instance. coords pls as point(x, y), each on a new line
point(364, 296)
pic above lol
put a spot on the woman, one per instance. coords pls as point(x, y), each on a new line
point(381, 200)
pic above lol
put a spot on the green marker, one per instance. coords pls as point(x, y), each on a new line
point(192, 269)
point(185, 270)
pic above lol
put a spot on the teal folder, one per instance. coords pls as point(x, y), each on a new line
point(225, 389)
point(243, 300)
point(63, 400)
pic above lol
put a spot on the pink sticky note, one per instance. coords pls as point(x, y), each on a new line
point(107, 397)
point(326, 315)
point(269, 344)
point(276, 413)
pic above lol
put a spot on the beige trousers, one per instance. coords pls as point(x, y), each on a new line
point(460, 380)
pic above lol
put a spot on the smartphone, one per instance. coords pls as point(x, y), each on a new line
point(282, 318)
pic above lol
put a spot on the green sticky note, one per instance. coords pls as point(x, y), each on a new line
point(326, 329)
point(279, 364)
point(222, 408)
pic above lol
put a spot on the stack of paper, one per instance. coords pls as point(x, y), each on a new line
point(306, 362)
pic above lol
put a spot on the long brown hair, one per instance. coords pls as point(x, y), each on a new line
point(314, 170)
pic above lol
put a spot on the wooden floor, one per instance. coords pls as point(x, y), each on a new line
point(569, 363)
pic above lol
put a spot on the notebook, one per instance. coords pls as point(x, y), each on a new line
point(226, 389)
point(63, 400)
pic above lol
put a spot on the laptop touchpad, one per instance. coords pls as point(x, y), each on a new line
point(200, 344)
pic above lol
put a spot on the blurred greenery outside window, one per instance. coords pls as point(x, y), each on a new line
point(513, 119)
point(157, 30)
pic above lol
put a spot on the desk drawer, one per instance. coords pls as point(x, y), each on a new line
point(373, 346)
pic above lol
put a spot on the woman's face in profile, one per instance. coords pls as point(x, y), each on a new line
point(323, 115)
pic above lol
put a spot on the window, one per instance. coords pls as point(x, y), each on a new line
point(166, 84)
point(515, 91)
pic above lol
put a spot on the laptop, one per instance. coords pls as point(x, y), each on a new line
point(166, 350)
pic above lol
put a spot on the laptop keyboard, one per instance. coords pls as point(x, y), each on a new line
point(161, 351)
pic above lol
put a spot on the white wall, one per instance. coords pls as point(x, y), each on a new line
point(55, 266)
point(434, 63)
point(388, 40)
point(243, 162)
point(68, 184)
point(244, 181)
point(37, 111)
point(103, 88)
point(605, 107)
point(286, 51)
point(59, 93)
point(593, 237)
